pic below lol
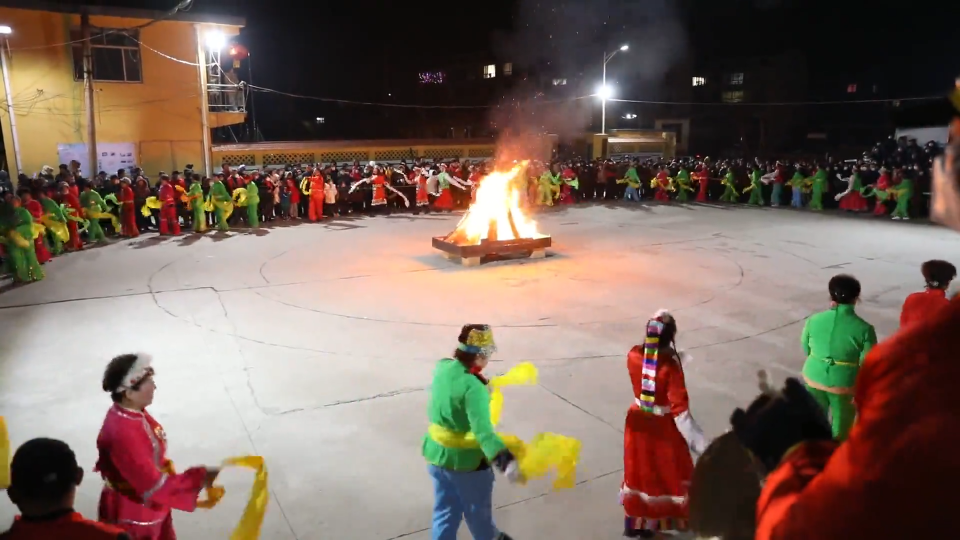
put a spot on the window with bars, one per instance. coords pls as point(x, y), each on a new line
point(490, 71)
point(116, 55)
point(733, 96)
point(699, 81)
point(736, 79)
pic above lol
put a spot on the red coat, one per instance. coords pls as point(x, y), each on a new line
point(921, 305)
point(379, 190)
point(69, 525)
point(141, 488)
point(126, 197)
point(897, 470)
point(167, 194)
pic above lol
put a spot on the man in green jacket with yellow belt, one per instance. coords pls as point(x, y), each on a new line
point(836, 341)
point(461, 444)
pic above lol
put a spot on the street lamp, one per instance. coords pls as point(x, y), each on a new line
point(603, 98)
point(5, 31)
point(216, 40)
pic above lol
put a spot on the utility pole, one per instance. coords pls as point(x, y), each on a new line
point(92, 155)
point(204, 105)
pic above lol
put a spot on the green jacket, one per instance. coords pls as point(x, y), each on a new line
point(218, 192)
point(755, 178)
point(91, 200)
point(461, 403)
point(633, 179)
point(253, 194)
point(836, 341)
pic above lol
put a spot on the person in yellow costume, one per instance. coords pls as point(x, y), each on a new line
point(549, 186)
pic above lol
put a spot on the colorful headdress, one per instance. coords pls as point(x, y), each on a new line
point(479, 341)
point(651, 348)
point(139, 371)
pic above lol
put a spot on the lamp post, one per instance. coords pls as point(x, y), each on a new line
point(605, 91)
point(5, 60)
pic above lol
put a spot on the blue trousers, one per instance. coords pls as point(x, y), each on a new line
point(796, 201)
point(459, 496)
point(775, 195)
point(632, 193)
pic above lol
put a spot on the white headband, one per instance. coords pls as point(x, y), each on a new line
point(138, 371)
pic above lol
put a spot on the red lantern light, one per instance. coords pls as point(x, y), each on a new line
point(238, 52)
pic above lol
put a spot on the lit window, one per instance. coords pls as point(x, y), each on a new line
point(736, 78)
point(321, 120)
point(733, 96)
point(629, 116)
point(490, 71)
point(699, 81)
point(559, 82)
point(851, 89)
point(508, 69)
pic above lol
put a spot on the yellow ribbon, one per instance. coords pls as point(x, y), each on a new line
point(58, 228)
point(151, 203)
point(545, 452)
point(4, 455)
point(91, 214)
point(240, 196)
point(252, 519)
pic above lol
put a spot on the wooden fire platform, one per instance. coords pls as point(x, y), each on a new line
point(534, 248)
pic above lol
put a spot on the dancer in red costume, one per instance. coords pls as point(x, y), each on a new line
point(659, 434)
point(883, 185)
point(702, 175)
point(128, 211)
point(141, 486)
point(169, 221)
point(317, 185)
point(36, 210)
point(898, 461)
point(662, 182)
point(67, 197)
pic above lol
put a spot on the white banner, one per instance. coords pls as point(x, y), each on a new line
point(112, 157)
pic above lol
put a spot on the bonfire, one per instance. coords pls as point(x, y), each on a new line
point(495, 224)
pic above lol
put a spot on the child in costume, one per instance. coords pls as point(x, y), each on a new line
point(683, 185)
point(461, 446)
point(570, 187)
point(19, 235)
point(836, 341)
point(195, 203)
point(775, 176)
point(702, 176)
point(920, 306)
point(659, 435)
point(44, 478)
point(36, 212)
point(549, 187)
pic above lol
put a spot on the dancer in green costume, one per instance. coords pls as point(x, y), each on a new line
point(756, 187)
point(18, 238)
point(195, 197)
point(222, 203)
point(253, 205)
point(548, 187)
point(683, 185)
point(729, 187)
point(904, 192)
point(93, 207)
point(55, 222)
point(819, 181)
point(836, 341)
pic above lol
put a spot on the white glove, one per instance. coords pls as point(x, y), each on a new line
point(512, 472)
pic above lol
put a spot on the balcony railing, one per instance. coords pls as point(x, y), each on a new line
point(227, 97)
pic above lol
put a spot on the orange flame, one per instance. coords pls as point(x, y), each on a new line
point(497, 201)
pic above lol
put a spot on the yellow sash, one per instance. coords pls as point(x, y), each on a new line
point(545, 452)
point(4, 455)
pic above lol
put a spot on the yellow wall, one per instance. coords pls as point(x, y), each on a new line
point(161, 116)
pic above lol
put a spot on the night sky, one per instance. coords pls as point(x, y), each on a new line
point(363, 50)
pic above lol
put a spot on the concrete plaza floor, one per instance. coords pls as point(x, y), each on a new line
point(313, 346)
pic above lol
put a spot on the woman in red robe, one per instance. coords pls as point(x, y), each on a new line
point(67, 197)
point(659, 436)
point(663, 182)
point(141, 486)
point(36, 210)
